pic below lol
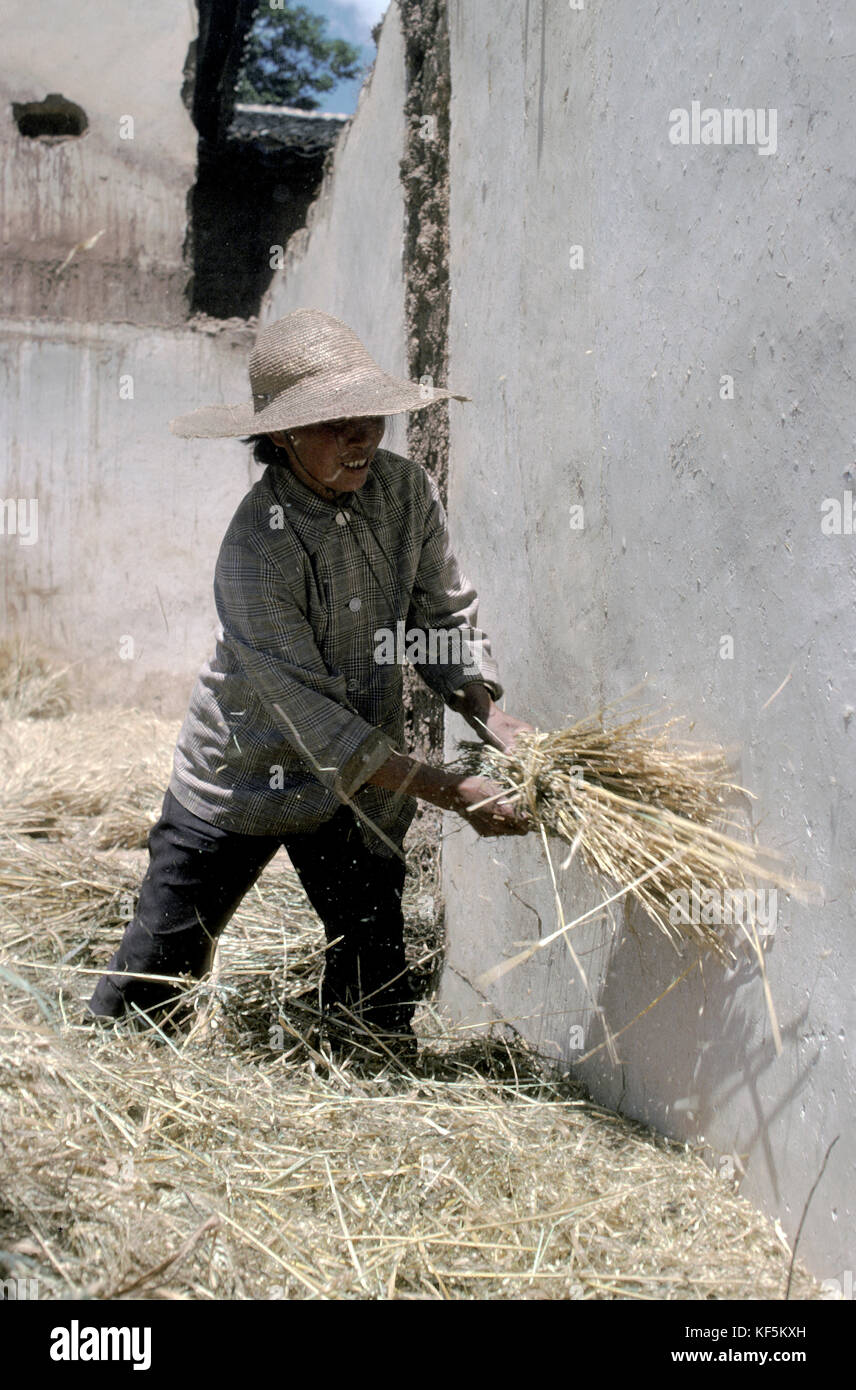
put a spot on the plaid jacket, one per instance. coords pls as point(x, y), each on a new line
point(318, 603)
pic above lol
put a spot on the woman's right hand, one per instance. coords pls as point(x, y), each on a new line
point(498, 817)
point(452, 792)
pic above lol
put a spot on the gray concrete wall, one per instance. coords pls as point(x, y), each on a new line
point(119, 63)
point(129, 518)
point(600, 386)
point(95, 359)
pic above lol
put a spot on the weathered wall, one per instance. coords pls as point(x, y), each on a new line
point(129, 518)
point(96, 357)
point(600, 386)
point(425, 182)
point(128, 182)
point(90, 394)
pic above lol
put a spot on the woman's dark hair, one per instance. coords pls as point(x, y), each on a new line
point(265, 452)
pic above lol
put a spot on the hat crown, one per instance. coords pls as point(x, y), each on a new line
point(306, 345)
point(307, 368)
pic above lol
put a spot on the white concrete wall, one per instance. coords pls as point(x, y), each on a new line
point(348, 259)
point(96, 358)
point(115, 61)
point(130, 518)
point(600, 386)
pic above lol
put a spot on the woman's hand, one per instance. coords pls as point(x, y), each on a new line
point(498, 817)
point(492, 724)
point(453, 792)
point(502, 729)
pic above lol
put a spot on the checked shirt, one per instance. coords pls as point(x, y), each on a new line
point(294, 711)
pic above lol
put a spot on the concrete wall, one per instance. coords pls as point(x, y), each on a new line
point(129, 518)
point(95, 358)
point(600, 386)
point(119, 63)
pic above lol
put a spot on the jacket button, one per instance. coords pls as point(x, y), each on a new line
point(341, 519)
point(355, 604)
point(352, 685)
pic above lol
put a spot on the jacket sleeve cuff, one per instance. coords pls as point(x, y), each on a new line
point(371, 754)
point(495, 690)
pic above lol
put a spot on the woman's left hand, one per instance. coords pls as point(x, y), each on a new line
point(491, 723)
point(504, 728)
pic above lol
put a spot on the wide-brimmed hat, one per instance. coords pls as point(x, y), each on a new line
point(306, 368)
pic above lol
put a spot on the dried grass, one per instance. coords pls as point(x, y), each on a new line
point(242, 1162)
point(133, 1167)
point(31, 685)
point(648, 815)
point(102, 773)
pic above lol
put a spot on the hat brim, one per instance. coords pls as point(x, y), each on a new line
point(295, 409)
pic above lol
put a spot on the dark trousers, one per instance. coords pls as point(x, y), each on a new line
point(197, 876)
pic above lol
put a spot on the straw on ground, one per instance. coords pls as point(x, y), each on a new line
point(242, 1162)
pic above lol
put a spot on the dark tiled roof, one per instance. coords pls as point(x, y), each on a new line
point(276, 128)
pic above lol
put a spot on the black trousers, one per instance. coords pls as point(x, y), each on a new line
point(197, 875)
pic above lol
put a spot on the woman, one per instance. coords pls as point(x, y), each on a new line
point(295, 728)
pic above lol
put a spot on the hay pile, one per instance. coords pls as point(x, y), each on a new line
point(241, 1162)
point(648, 816)
point(220, 1170)
point(101, 773)
point(31, 685)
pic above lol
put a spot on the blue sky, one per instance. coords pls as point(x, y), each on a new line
point(352, 20)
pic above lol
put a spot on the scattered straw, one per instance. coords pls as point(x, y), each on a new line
point(31, 685)
point(240, 1162)
point(232, 1170)
point(103, 772)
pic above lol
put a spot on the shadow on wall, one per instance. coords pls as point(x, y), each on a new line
point(252, 192)
point(719, 1013)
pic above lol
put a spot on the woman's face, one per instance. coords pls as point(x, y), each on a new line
point(333, 457)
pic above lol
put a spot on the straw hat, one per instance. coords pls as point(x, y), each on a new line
point(306, 368)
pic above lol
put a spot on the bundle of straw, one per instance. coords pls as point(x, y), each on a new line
point(645, 814)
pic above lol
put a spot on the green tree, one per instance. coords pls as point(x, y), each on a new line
point(287, 58)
